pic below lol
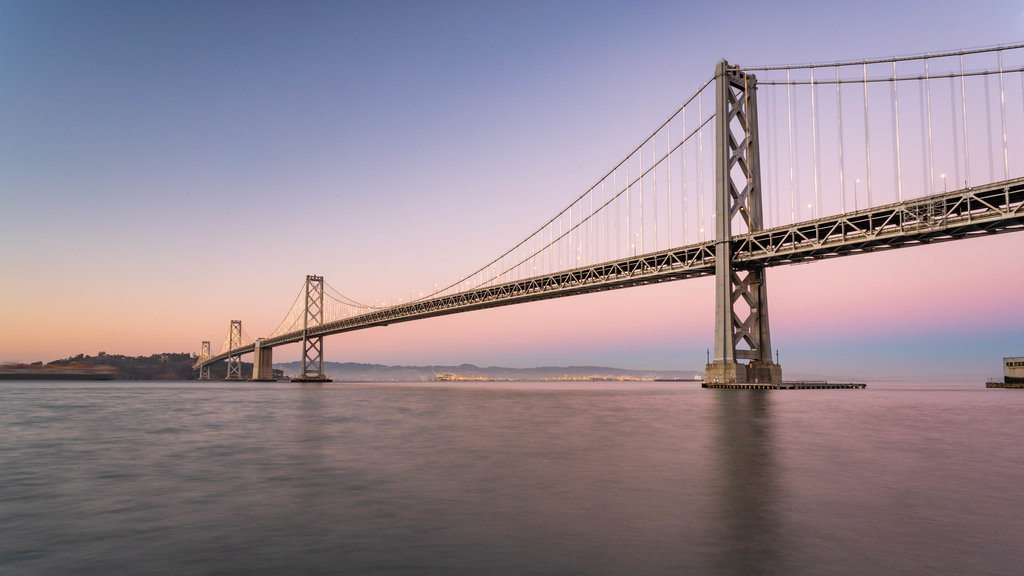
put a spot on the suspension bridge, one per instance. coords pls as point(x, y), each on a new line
point(762, 166)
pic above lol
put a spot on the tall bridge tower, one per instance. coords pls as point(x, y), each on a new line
point(313, 347)
point(741, 298)
point(235, 360)
point(204, 353)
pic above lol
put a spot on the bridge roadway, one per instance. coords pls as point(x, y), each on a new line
point(982, 210)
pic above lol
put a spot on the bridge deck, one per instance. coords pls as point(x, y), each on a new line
point(982, 210)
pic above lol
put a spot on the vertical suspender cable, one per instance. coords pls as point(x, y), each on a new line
point(700, 160)
point(629, 213)
point(654, 168)
point(988, 131)
point(668, 192)
point(570, 256)
point(685, 177)
point(953, 136)
point(618, 213)
point(789, 113)
point(605, 209)
point(568, 241)
point(867, 133)
point(766, 157)
point(924, 134)
point(746, 146)
point(814, 146)
point(896, 127)
point(548, 257)
point(839, 122)
point(592, 246)
point(922, 87)
point(561, 240)
point(766, 190)
point(963, 115)
point(773, 119)
point(545, 251)
point(1002, 116)
point(554, 254)
point(640, 177)
point(931, 145)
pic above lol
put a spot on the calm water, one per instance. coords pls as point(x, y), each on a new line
point(653, 478)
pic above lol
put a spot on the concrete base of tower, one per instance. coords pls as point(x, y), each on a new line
point(311, 378)
point(736, 373)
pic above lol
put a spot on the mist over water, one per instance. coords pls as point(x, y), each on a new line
point(509, 478)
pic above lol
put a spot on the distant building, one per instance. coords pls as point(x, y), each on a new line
point(1013, 370)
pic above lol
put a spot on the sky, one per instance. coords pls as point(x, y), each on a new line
point(166, 167)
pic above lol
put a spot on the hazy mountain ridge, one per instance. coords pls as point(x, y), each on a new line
point(357, 372)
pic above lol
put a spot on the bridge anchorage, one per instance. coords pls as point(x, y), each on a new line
point(741, 296)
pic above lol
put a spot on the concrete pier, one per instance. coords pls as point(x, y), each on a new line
point(311, 379)
point(1004, 384)
point(263, 363)
point(787, 386)
point(737, 372)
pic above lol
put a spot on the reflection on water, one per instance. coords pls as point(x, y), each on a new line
point(747, 495)
point(509, 478)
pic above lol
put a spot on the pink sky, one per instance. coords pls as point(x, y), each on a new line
point(167, 171)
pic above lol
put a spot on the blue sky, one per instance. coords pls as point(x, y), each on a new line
point(170, 166)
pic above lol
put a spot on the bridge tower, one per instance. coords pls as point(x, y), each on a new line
point(313, 347)
point(741, 298)
point(235, 360)
point(204, 353)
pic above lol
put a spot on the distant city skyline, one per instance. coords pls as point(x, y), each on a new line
point(169, 168)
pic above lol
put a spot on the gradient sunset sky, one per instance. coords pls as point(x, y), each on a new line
point(166, 167)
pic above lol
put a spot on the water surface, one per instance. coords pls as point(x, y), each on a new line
point(509, 478)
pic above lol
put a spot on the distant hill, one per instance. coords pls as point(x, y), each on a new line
point(178, 366)
point(355, 372)
point(168, 366)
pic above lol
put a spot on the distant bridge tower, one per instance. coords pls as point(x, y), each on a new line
point(235, 360)
point(741, 298)
point(204, 353)
point(313, 347)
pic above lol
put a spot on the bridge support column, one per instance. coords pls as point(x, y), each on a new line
point(235, 360)
point(313, 346)
point(204, 353)
point(741, 298)
point(262, 363)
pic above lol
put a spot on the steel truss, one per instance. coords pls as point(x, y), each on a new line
point(977, 211)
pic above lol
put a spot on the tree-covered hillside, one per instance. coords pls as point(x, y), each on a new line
point(171, 366)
